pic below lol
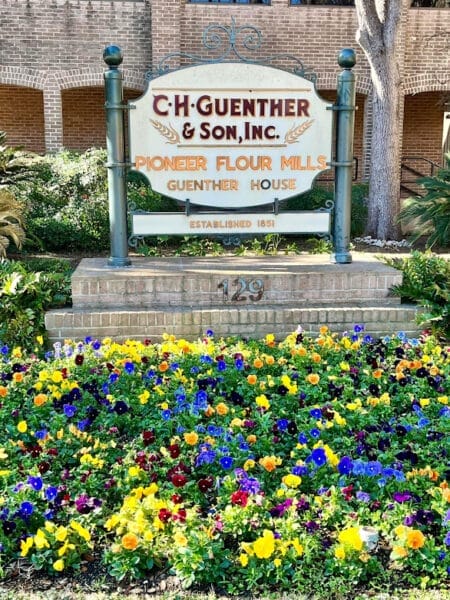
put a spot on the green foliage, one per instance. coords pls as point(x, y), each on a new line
point(319, 246)
point(24, 297)
point(430, 214)
point(15, 165)
point(11, 221)
point(426, 281)
point(198, 246)
point(320, 195)
point(141, 196)
point(66, 202)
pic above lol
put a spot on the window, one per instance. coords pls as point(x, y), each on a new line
point(430, 4)
point(230, 1)
point(324, 2)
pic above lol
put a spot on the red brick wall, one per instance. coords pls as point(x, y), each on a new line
point(55, 35)
point(84, 117)
point(423, 125)
point(22, 117)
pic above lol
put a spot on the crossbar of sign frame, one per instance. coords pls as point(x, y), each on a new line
point(230, 223)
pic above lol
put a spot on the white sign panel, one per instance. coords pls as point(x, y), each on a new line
point(229, 223)
point(230, 135)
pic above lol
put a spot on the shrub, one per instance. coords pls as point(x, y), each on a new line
point(24, 297)
point(426, 281)
point(66, 202)
point(11, 221)
point(320, 195)
point(431, 213)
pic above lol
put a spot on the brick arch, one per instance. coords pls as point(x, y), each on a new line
point(89, 77)
point(426, 82)
point(328, 81)
point(23, 77)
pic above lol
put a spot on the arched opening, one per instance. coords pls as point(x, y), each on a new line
point(83, 111)
point(22, 117)
point(423, 131)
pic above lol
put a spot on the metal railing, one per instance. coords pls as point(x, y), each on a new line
point(430, 4)
point(414, 168)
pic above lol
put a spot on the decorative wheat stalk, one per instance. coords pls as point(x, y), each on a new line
point(168, 132)
point(296, 131)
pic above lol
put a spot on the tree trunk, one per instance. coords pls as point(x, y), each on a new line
point(379, 35)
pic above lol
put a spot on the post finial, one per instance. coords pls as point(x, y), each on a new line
point(347, 58)
point(113, 57)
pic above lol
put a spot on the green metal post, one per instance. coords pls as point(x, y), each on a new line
point(345, 122)
point(115, 145)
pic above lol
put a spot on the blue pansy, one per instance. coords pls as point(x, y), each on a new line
point(374, 468)
point(302, 439)
point(26, 509)
point(359, 467)
point(51, 492)
point(282, 424)
point(129, 367)
point(316, 413)
point(226, 462)
point(35, 482)
point(345, 465)
point(166, 414)
point(318, 456)
point(221, 365)
point(314, 433)
point(69, 410)
point(239, 364)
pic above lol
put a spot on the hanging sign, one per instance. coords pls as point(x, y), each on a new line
point(230, 135)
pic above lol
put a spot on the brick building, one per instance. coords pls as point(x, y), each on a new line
point(51, 67)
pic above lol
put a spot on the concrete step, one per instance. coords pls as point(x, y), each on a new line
point(184, 282)
point(246, 321)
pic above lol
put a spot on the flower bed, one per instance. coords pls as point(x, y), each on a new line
point(307, 464)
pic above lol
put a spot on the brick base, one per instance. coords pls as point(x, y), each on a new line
point(185, 297)
point(248, 322)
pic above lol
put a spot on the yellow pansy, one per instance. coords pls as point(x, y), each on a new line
point(61, 534)
point(351, 537)
point(25, 546)
point(58, 565)
point(22, 426)
point(243, 559)
point(264, 546)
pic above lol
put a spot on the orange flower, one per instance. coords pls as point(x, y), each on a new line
point(258, 363)
point(252, 379)
point(3, 391)
point(270, 359)
point(222, 409)
point(269, 463)
point(415, 539)
point(163, 366)
point(313, 378)
point(316, 357)
point(130, 541)
point(18, 377)
point(40, 399)
point(302, 351)
point(251, 439)
point(377, 373)
point(191, 438)
point(209, 411)
point(323, 330)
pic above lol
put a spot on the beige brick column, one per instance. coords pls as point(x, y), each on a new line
point(53, 116)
